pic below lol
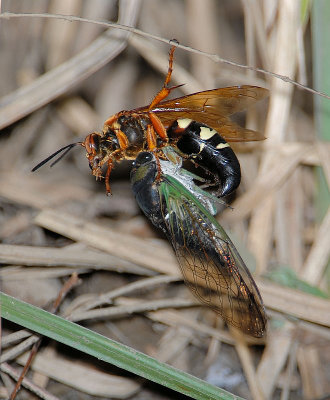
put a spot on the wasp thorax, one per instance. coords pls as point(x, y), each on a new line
point(134, 128)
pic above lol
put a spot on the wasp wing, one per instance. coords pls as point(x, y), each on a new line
point(211, 266)
point(213, 107)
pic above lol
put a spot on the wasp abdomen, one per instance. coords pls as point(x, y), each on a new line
point(209, 150)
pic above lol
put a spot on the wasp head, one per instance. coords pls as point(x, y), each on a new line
point(94, 153)
point(101, 148)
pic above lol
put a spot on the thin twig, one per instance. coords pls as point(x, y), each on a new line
point(137, 307)
point(40, 392)
point(107, 298)
point(215, 57)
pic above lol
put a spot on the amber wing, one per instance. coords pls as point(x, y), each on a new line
point(213, 107)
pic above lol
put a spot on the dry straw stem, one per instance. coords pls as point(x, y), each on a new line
point(128, 309)
point(129, 247)
point(174, 344)
point(37, 193)
point(260, 232)
point(315, 265)
point(215, 57)
point(273, 359)
point(271, 208)
point(268, 182)
point(60, 79)
point(141, 284)
point(109, 240)
point(73, 374)
point(27, 383)
point(312, 376)
point(276, 207)
point(290, 370)
point(14, 337)
point(76, 256)
point(175, 318)
point(247, 364)
point(19, 349)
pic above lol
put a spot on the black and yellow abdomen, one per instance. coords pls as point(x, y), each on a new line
point(206, 147)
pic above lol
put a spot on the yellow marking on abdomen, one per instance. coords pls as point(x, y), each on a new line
point(207, 133)
point(201, 147)
point(184, 122)
point(222, 146)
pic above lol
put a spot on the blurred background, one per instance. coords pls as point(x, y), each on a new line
point(60, 80)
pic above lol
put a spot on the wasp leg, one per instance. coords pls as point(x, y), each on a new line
point(158, 127)
point(165, 91)
point(151, 138)
point(109, 160)
point(170, 66)
point(107, 178)
point(152, 146)
point(110, 121)
point(122, 140)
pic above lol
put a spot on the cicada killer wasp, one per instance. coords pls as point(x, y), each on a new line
point(210, 264)
point(197, 126)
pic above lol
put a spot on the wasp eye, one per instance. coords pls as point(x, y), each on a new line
point(92, 143)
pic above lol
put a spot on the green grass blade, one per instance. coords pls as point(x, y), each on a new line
point(108, 350)
point(286, 276)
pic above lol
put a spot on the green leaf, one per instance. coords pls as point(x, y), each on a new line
point(287, 277)
point(108, 350)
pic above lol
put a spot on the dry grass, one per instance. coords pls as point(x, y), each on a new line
point(59, 81)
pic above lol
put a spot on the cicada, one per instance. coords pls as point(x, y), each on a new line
point(210, 264)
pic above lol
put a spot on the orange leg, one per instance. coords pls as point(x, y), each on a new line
point(165, 91)
point(170, 66)
point(158, 127)
point(122, 139)
point(111, 120)
point(151, 138)
point(107, 178)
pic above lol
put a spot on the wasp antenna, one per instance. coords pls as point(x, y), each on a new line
point(67, 148)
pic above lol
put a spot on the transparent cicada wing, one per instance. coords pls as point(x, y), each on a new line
point(210, 264)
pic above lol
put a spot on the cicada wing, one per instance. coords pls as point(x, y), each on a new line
point(210, 264)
